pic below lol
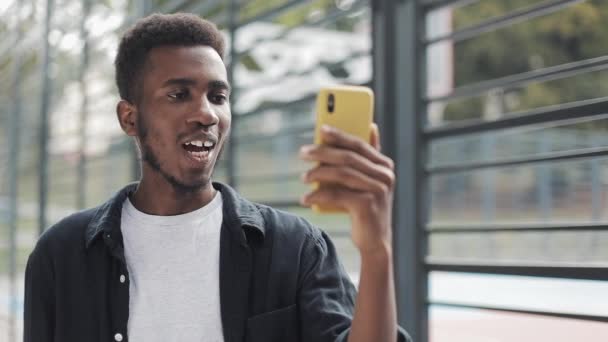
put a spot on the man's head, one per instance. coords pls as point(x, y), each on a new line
point(174, 97)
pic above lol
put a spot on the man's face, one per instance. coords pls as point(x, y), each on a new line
point(183, 116)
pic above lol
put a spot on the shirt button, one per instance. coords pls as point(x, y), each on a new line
point(122, 278)
point(118, 337)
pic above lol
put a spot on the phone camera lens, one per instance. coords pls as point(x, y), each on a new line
point(331, 103)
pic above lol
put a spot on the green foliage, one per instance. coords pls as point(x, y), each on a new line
point(301, 14)
point(569, 35)
point(255, 7)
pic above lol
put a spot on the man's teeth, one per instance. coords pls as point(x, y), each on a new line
point(200, 143)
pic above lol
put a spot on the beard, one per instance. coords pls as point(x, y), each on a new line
point(148, 156)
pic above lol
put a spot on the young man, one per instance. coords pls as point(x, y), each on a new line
point(176, 257)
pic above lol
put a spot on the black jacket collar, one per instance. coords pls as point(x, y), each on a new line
point(238, 212)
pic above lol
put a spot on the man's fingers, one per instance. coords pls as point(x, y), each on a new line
point(336, 138)
point(346, 177)
point(329, 155)
point(340, 197)
point(327, 196)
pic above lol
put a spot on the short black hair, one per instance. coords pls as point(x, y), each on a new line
point(181, 29)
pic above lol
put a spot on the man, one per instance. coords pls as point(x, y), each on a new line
point(176, 257)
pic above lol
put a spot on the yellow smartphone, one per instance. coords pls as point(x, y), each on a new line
point(347, 108)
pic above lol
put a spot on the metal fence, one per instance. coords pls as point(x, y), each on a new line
point(496, 117)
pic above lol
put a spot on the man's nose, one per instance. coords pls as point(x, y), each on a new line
point(203, 114)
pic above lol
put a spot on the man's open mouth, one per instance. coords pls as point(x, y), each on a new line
point(199, 149)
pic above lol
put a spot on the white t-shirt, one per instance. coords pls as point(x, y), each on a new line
point(173, 264)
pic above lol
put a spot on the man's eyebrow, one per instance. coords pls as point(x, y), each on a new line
point(179, 81)
point(217, 84)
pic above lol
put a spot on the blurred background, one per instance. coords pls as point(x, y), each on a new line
point(494, 111)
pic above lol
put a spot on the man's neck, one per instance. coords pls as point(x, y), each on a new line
point(158, 197)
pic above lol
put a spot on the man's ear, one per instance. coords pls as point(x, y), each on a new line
point(127, 117)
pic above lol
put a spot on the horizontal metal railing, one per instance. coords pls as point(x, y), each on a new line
point(512, 81)
point(513, 227)
point(430, 5)
point(554, 113)
point(545, 270)
point(505, 20)
point(592, 152)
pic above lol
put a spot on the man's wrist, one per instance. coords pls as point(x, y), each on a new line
point(381, 253)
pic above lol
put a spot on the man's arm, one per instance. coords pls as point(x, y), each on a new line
point(38, 314)
point(375, 311)
point(363, 182)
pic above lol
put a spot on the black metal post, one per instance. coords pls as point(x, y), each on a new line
point(231, 152)
point(84, 105)
point(397, 82)
point(44, 119)
point(142, 9)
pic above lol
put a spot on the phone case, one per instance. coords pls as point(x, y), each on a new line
point(352, 113)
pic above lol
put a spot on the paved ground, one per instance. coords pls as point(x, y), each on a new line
point(450, 326)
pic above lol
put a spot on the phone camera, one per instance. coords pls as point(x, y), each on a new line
point(331, 103)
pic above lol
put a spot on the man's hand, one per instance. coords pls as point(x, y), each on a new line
point(357, 178)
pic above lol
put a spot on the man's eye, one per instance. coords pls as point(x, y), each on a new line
point(219, 99)
point(178, 95)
